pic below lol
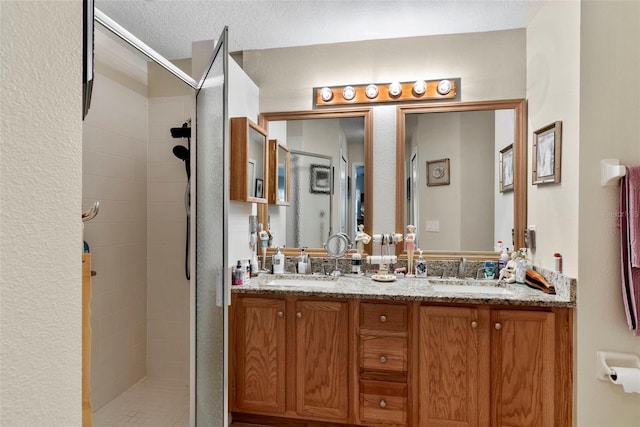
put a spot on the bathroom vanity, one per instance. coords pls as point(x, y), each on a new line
point(350, 351)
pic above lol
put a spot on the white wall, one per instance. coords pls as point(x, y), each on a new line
point(609, 128)
point(40, 206)
point(553, 86)
point(243, 102)
point(115, 135)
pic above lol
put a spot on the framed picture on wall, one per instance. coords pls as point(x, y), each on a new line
point(438, 172)
point(320, 179)
point(506, 168)
point(547, 150)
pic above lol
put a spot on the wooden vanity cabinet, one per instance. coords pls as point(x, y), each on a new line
point(260, 354)
point(383, 337)
point(333, 362)
point(479, 366)
point(290, 357)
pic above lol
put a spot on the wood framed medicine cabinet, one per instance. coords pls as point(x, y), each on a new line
point(279, 173)
point(249, 159)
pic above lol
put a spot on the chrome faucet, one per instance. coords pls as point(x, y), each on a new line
point(462, 267)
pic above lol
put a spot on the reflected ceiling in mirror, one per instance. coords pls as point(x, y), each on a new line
point(327, 194)
point(464, 211)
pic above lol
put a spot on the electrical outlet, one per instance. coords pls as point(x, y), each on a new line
point(530, 237)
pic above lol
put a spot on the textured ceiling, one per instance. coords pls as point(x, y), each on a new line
point(169, 26)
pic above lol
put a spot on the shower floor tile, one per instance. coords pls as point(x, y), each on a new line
point(153, 402)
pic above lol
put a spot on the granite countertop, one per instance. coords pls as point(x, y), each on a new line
point(414, 289)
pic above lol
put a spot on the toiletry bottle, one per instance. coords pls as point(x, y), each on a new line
point(302, 262)
point(557, 258)
point(356, 262)
point(421, 266)
point(247, 270)
point(254, 264)
point(521, 266)
point(238, 274)
point(278, 262)
point(503, 260)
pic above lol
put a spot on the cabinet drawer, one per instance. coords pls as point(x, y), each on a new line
point(383, 317)
point(383, 402)
point(383, 353)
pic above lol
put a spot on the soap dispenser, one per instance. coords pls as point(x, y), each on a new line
point(421, 266)
point(302, 262)
point(277, 262)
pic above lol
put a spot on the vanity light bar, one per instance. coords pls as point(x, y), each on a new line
point(420, 90)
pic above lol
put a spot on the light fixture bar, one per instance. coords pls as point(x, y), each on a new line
point(416, 91)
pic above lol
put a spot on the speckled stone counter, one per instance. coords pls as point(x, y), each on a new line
point(415, 289)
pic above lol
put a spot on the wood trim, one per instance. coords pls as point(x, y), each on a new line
point(87, 412)
point(239, 157)
point(367, 114)
point(564, 367)
point(520, 160)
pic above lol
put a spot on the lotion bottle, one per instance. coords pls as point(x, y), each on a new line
point(421, 266)
point(278, 262)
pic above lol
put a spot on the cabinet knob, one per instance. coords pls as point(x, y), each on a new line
point(280, 314)
point(383, 318)
point(474, 324)
point(299, 315)
point(383, 404)
point(383, 359)
point(498, 326)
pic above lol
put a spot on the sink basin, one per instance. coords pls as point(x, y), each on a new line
point(303, 283)
point(471, 289)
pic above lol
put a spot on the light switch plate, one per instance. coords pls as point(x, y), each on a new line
point(433, 225)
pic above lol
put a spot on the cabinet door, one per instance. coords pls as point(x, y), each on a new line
point(448, 367)
point(322, 359)
point(522, 368)
point(260, 355)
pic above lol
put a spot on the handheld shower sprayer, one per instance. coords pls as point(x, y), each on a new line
point(184, 153)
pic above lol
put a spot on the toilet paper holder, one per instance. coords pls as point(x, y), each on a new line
point(607, 359)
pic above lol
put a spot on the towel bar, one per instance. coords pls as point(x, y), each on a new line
point(611, 172)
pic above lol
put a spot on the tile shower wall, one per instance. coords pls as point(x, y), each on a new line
point(115, 135)
point(168, 289)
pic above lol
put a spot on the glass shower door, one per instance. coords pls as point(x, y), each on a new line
point(212, 199)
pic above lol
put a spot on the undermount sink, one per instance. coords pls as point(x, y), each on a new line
point(471, 289)
point(303, 283)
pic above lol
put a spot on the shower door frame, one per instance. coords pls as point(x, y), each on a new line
point(222, 284)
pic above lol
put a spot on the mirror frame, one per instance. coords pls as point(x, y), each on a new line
point(274, 163)
point(367, 115)
point(519, 177)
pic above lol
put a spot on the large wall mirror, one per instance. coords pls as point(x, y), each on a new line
point(330, 176)
point(461, 176)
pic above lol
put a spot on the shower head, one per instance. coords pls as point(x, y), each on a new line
point(181, 152)
point(182, 132)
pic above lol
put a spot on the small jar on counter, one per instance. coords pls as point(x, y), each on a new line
point(557, 258)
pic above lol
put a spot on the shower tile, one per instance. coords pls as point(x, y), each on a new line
point(125, 168)
point(167, 191)
point(167, 211)
point(167, 231)
point(170, 171)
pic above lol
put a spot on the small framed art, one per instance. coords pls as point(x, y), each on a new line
point(506, 168)
point(438, 172)
point(547, 152)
